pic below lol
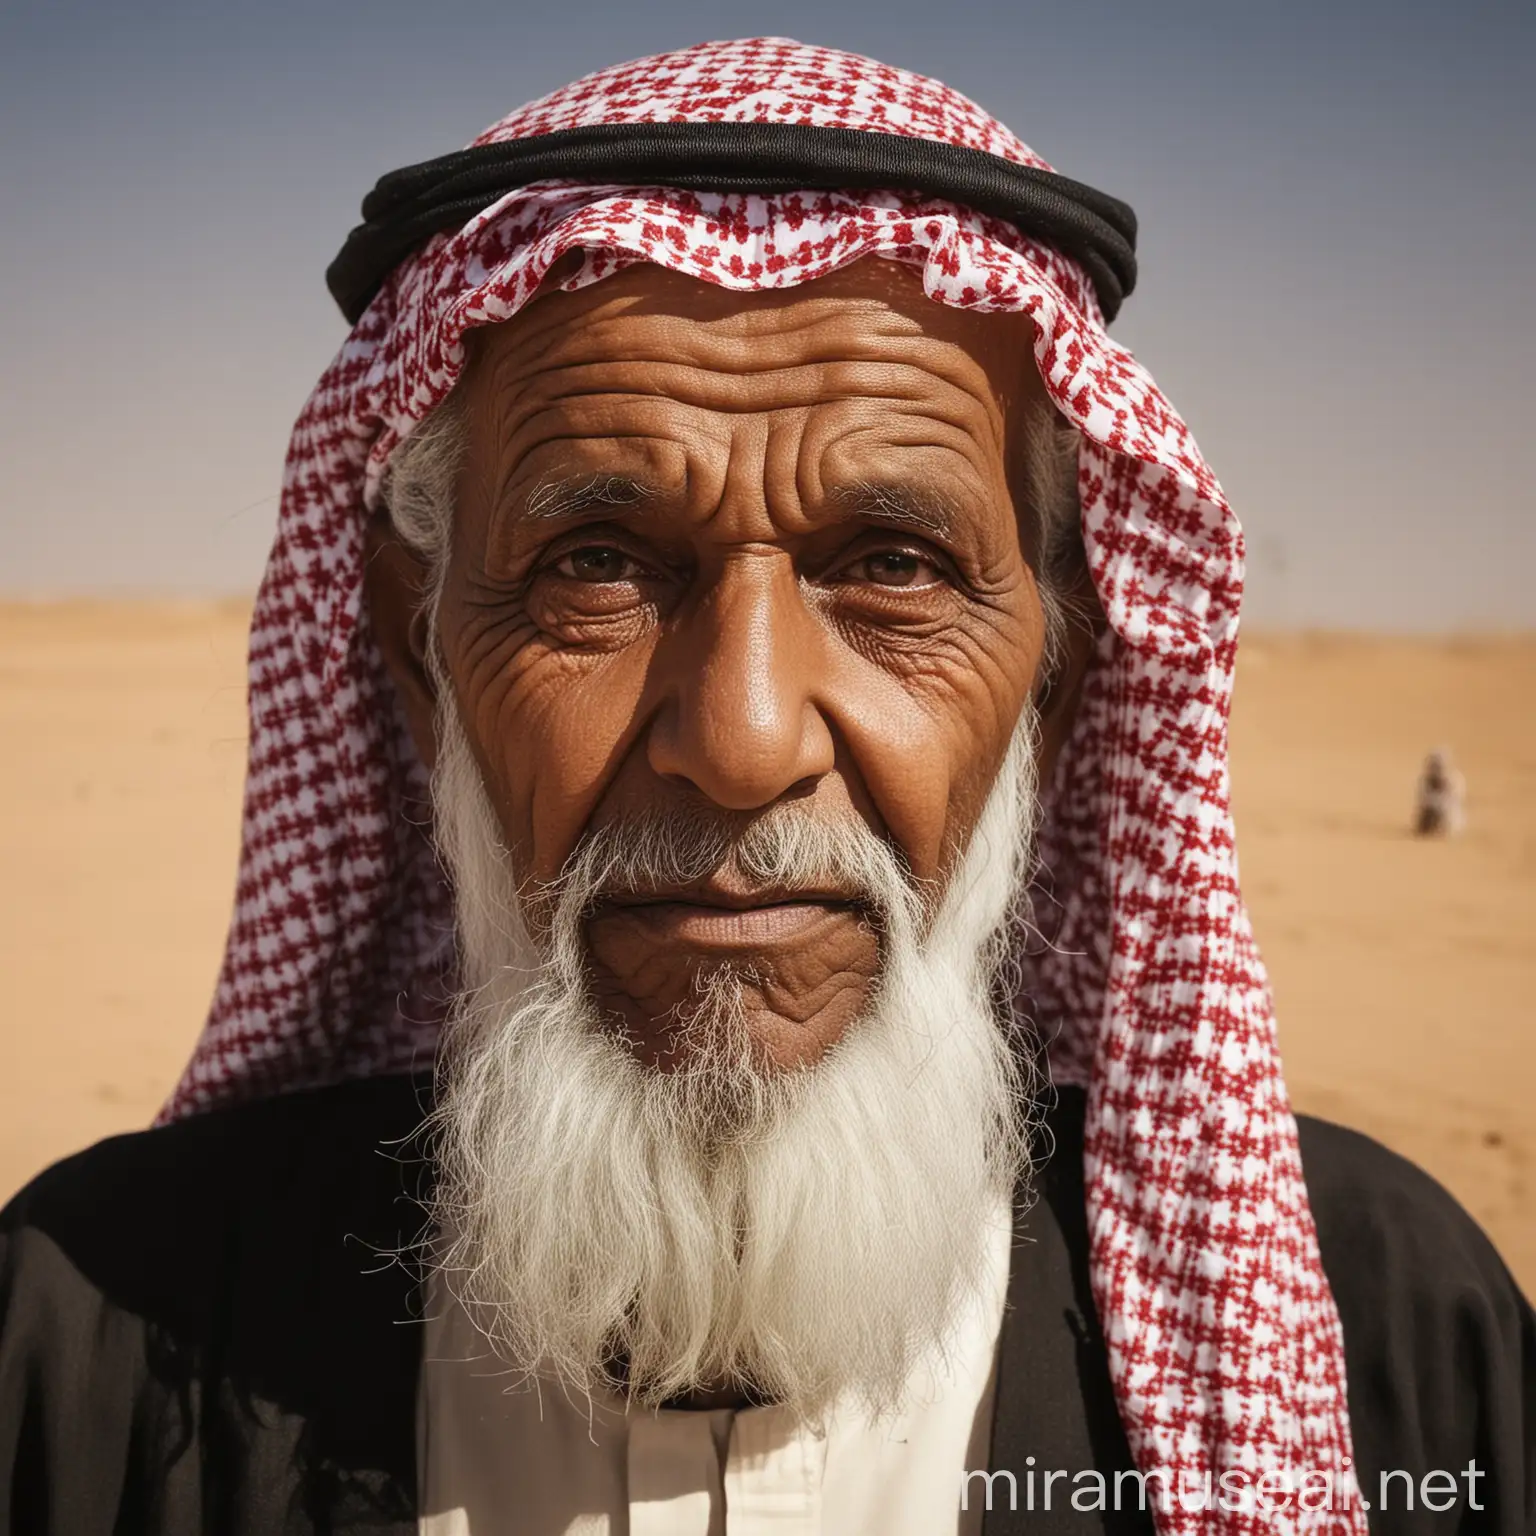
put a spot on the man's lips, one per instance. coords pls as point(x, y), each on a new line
point(726, 920)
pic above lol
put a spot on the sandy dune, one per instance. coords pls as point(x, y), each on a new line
point(1404, 970)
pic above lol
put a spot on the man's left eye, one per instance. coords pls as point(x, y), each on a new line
point(599, 563)
point(894, 568)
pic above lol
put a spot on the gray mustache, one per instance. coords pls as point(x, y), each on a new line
point(784, 849)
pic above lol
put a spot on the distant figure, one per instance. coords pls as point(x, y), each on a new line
point(1440, 810)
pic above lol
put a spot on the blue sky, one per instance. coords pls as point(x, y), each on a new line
point(1337, 207)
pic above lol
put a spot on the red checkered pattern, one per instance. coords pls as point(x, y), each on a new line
point(1223, 1337)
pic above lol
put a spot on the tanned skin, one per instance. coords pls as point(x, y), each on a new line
point(719, 551)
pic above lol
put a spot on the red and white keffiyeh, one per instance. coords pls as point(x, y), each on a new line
point(1224, 1342)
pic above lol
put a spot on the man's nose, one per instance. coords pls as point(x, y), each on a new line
point(742, 721)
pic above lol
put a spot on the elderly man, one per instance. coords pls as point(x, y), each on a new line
point(739, 1016)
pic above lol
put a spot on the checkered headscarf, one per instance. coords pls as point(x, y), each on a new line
point(1224, 1341)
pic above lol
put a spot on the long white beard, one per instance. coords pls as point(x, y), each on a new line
point(800, 1235)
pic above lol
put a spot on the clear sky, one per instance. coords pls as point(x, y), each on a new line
point(1337, 202)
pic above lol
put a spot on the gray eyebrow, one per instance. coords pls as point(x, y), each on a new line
point(904, 506)
point(568, 497)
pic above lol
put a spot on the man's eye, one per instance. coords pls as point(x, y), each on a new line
point(894, 568)
point(598, 562)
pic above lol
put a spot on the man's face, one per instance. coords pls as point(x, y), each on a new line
point(714, 553)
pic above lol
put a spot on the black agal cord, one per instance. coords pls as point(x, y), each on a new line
point(409, 206)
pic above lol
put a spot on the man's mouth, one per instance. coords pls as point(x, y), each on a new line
point(715, 918)
point(802, 959)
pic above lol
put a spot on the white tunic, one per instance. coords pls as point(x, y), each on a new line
point(497, 1457)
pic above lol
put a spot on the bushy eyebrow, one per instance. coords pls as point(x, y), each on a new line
point(568, 497)
point(902, 506)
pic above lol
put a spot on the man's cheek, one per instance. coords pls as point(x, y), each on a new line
point(928, 735)
point(562, 735)
point(908, 759)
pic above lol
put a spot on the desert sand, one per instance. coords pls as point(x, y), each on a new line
point(1404, 970)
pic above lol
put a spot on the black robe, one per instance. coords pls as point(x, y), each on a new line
point(204, 1328)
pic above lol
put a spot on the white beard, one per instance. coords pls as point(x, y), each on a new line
point(799, 1235)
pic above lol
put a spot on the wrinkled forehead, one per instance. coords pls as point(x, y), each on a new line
point(866, 331)
point(856, 384)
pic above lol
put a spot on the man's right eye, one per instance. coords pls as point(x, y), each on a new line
point(599, 563)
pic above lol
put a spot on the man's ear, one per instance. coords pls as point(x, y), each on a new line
point(1057, 700)
point(394, 589)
